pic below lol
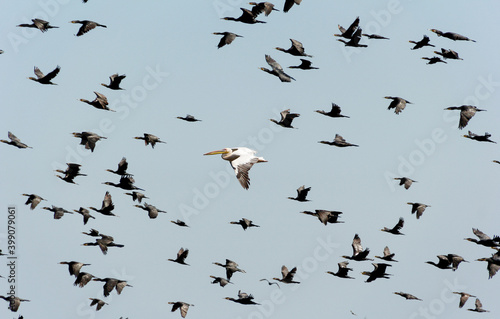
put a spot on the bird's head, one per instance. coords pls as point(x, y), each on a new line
point(366, 273)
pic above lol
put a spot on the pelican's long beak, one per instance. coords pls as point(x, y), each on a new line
point(216, 152)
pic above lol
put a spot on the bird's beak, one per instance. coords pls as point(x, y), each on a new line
point(216, 152)
point(480, 110)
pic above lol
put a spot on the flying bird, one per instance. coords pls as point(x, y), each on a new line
point(33, 199)
point(479, 307)
point(466, 113)
point(388, 256)
point(74, 267)
point(152, 210)
point(39, 24)
point(448, 54)
point(100, 102)
point(82, 279)
point(405, 181)
point(296, 49)
point(396, 229)
point(378, 272)
point(122, 168)
point(484, 239)
point(480, 138)
point(58, 211)
point(302, 192)
point(358, 254)
point(107, 205)
point(277, 70)
point(286, 119)
point(179, 223)
point(181, 257)
point(45, 79)
point(188, 118)
point(433, 60)
point(180, 305)
point(89, 139)
point(228, 38)
point(287, 276)
point(149, 139)
point(98, 303)
point(407, 296)
point(241, 159)
point(14, 141)
point(398, 104)
point(463, 298)
point(450, 261)
point(137, 196)
point(422, 43)
point(325, 216)
point(246, 17)
point(493, 264)
point(243, 298)
point(304, 65)
point(334, 112)
point(87, 25)
point(343, 271)
point(451, 35)
point(112, 283)
point(245, 223)
point(338, 141)
point(374, 36)
point(14, 302)
point(114, 82)
point(85, 213)
point(126, 182)
point(221, 281)
point(231, 268)
point(418, 208)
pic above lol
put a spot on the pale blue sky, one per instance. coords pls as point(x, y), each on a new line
point(173, 67)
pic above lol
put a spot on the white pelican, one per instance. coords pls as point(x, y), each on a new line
point(241, 159)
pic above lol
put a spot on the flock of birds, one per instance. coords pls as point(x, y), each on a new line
point(242, 160)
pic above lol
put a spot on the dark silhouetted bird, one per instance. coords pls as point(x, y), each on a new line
point(97, 302)
point(152, 210)
point(378, 272)
point(14, 141)
point(245, 223)
point(228, 38)
point(114, 81)
point(418, 208)
point(86, 26)
point(286, 119)
point(407, 296)
point(480, 138)
point(188, 118)
point(466, 113)
point(398, 104)
point(74, 267)
point(107, 205)
point(89, 139)
point(150, 139)
point(180, 305)
point(181, 257)
point(45, 79)
point(58, 211)
point(463, 298)
point(262, 7)
point(338, 141)
point(304, 65)
point(422, 43)
point(343, 270)
point(289, 4)
point(451, 35)
point(325, 216)
point(277, 70)
point(100, 102)
point(479, 307)
point(433, 60)
point(358, 254)
point(246, 17)
point(39, 24)
point(287, 276)
point(33, 199)
point(348, 34)
point(122, 168)
point(388, 256)
point(334, 112)
point(396, 229)
point(450, 261)
point(296, 49)
point(405, 181)
point(302, 192)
